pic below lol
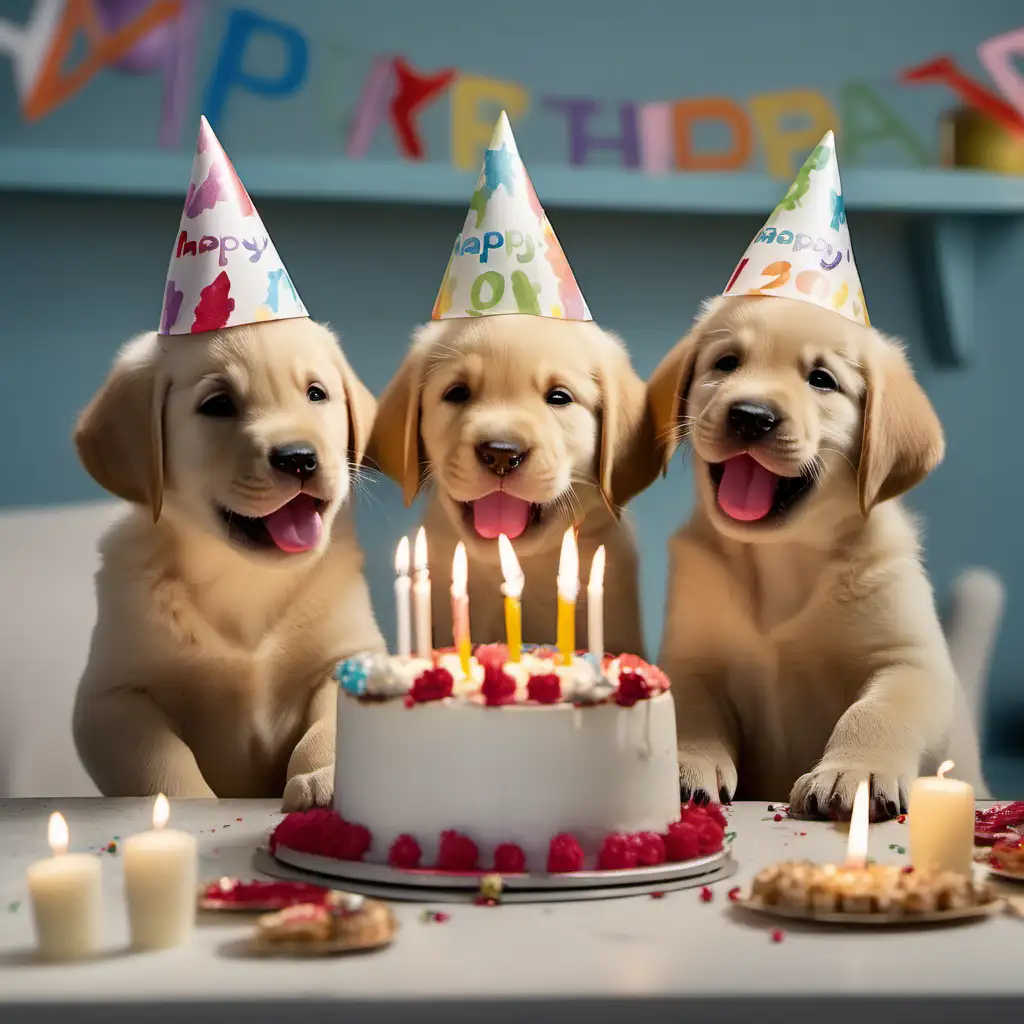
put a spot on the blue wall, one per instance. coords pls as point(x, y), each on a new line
point(86, 273)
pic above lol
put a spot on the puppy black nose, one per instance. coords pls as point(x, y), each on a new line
point(751, 421)
point(294, 459)
point(501, 457)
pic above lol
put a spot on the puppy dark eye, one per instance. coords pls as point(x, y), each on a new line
point(727, 363)
point(822, 380)
point(457, 394)
point(219, 405)
point(315, 393)
point(558, 396)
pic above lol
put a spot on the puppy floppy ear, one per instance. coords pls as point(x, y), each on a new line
point(395, 442)
point(666, 397)
point(361, 409)
point(119, 436)
point(902, 439)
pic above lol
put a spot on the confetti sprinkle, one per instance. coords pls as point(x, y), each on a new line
point(12, 907)
point(778, 817)
point(657, 895)
point(706, 895)
point(730, 836)
point(902, 819)
point(899, 849)
point(734, 894)
point(238, 819)
point(778, 935)
point(111, 847)
point(437, 916)
point(908, 869)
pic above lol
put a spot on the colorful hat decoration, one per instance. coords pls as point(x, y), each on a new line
point(507, 259)
point(224, 269)
point(804, 250)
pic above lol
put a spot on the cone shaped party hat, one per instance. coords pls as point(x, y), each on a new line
point(224, 268)
point(507, 258)
point(804, 250)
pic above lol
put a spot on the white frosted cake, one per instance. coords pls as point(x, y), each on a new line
point(529, 766)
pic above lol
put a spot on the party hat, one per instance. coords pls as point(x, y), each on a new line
point(506, 258)
point(804, 250)
point(224, 269)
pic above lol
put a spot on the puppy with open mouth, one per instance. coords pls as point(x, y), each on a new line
point(228, 595)
point(801, 635)
point(522, 414)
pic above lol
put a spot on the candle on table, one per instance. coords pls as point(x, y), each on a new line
point(460, 606)
point(568, 589)
point(65, 891)
point(403, 588)
point(595, 605)
point(512, 588)
point(161, 880)
point(421, 596)
point(857, 843)
point(941, 818)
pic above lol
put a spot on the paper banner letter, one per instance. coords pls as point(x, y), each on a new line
point(714, 108)
point(656, 137)
point(371, 108)
point(414, 91)
point(230, 73)
point(581, 142)
point(772, 110)
point(472, 122)
point(867, 121)
point(999, 56)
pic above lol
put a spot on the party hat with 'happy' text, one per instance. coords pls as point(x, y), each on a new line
point(224, 268)
point(804, 250)
point(507, 258)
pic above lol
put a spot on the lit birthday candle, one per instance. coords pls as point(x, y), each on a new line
point(941, 818)
point(568, 589)
point(857, 843)
point(460, 606)
point(421, 596)
point(513, 591)
point(595, 605)
point(403, 589)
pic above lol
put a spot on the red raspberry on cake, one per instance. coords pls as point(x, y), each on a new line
point(618, 853)
point(351, 842)
point(564, 854)
point(509, 859)
point(405, 853)
point(632, 687)
point(456, 852)
point(709, 838)
point(650, 849)
point(491, 656)
point(682, 841)
point(432, 684)
point(498, 687)
point(546, 689)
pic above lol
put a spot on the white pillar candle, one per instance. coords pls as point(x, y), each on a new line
point(65, 891)
point(403, 587)
point(941, 820)
point(860, 823)
point(421, 596)
point(161, 877)
point(595, 605)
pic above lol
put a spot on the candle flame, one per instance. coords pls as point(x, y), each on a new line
point(946, 766)
point(161, 812)
point(57, 834)
point(402, 557)
point(857, 844)
point(569, 567)
point(510, 567)
point(419, 558)
point(596, 581)
point(460, 571)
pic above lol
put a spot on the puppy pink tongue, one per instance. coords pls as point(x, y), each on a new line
point(747, 489)
point(500, 513)
point(296, 526)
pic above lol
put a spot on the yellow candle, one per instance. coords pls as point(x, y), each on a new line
point(161, 879)
point(421, 596)
point(460, 606)
point(403, 588)
point(595, 606)
point(941, 820)
point(568, 589)
point(65, 891)
point(513, 591)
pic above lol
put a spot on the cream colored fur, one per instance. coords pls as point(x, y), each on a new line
point(806, 654)
point(581, 467)
point(210, 667)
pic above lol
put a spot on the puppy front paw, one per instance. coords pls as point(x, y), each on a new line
point(706, 773)
point(828, 792)
point(314, 789)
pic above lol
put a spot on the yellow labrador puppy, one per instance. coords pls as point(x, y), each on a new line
point(229, 593)
point(524, 425)
point(801, 635)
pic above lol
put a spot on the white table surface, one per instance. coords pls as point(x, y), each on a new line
point(651, 959)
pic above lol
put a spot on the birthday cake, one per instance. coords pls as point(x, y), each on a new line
point(530, 766)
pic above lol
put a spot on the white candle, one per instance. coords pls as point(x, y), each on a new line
point(860, 820)
point(941, 819)
point(421, 596)
point(402, 590)
point(161, 882)
point(65, 891)
point(595, 605)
